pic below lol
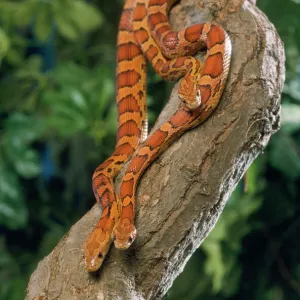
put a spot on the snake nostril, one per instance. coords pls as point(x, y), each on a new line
point(100, 255)
point(130, 239)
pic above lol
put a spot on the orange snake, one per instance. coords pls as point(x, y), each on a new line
point(145, 33)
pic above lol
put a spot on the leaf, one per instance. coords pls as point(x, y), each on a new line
point(23, 12)
point(76, 17)
point(214, 265)
point(65, 26)
point(27, 163)
point(293, 89)
point(14, 56)
point(21, 129)
point(43, 22)
point(290, 117)
point(85, 16)
point(66, 117)
point(13, 211)
point(284, 156)
point(70, 74)
point(4, 44)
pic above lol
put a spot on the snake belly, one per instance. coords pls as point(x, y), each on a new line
point(200, 90)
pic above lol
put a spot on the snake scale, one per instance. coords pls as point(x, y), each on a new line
point(145, 34)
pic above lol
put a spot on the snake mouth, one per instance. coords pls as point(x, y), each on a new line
point(124, 237)
point(191, 102)
point(93, 264)
point(96, 249)
point(124, 243)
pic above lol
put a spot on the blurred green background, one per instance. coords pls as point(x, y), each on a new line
point(58, 122)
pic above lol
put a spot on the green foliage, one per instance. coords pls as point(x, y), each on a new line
point(17, 159)
point(58, 121)
point(73, 18)
point(73, 101)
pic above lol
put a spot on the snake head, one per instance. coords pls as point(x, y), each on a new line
point(96, 248)
point(124, 233)
point(189, 92)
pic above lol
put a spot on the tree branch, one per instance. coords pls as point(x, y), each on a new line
point(184, 191)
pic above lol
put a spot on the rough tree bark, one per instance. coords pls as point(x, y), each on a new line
point(184, 191)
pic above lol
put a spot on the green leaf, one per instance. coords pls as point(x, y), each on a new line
point(290, 117)
point(214, 265)
point(13, 211)
point(21, 129)
point(43, 22)
point(27, 163)
point(85, 16)
point(293, 89)
point(74, 18)
point(65, 27)
point(23, 12)
point(14, 56)
point(4, 44)
point(67, 116)
point(284, 156)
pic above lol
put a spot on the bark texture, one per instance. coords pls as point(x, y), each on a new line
point(184, 191)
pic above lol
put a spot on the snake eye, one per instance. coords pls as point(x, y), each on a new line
point(100, 255)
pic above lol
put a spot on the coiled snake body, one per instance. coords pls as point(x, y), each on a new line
point(145, 33)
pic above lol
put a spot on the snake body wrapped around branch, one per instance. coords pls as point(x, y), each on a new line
point(145, 33)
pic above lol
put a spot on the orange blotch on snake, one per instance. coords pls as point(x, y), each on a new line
point(123, 148)
point(126, 188)
point(193, 33)
point(156, 2)
point(128, 78)
point(128, 128)
point(141, 35)
point(180, 118)
point(179, 62)
point(158, 65)
point(128, 52)
point(205, 93)
point(137, 163)
point(128, 104)
point(151, 52)
point(140, 12)
point(156, 139)
point(215, 36)
point(213, 65)
point(99, 179)
point(156, 18)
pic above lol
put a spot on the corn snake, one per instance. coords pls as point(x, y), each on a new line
point(145, 33)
